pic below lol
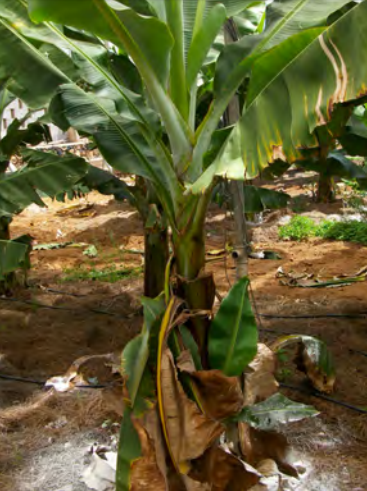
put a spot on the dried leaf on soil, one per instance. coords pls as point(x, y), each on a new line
point(305, 280)
point(271, 480)
point(224, 471)
point(260, 382)
point(258, 445)
point(100, 474)
point(88, 370)
point(313, 358)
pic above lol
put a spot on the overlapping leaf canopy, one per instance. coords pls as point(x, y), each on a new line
point(297, 65)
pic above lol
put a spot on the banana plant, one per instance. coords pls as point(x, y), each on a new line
point(18, 189)
point(292, 74)
point(344, 137)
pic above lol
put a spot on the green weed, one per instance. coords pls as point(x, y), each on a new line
point(299, 228)
point(350, 231)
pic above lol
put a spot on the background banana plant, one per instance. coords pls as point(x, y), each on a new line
point(149, 82)
point(18, 189)
point(343, 138)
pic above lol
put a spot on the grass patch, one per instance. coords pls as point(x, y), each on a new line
point(107, 275)
point(302, 228)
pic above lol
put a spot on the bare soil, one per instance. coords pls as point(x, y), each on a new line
point(40, 428)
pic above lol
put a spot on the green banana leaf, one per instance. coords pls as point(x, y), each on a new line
point(87, 56)
point(337, 164)
point(106, 183)
point(34, 79)
point(119, 139)
point(261, 199)
point(16, 137)
point(233, 334)
point(13, 255)
point(275, 411)
point(47, 173)
point(146, 39)
point(136, 353)
point(129, 451)
point(314, 63)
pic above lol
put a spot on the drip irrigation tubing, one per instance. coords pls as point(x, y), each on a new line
point(105, 386)
point(359, 315)
point(323, 396)
point(53, 307)
point(43, 384)
point(138, 312)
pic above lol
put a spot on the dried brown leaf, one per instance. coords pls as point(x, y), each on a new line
point(260, 382)
point(257, 446)
point(224, 471)
point(189, 432)
point(145, 472)
point(153, 426)
point(322, 381)
point(220, 396)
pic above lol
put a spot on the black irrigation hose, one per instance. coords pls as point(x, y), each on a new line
point(53, 307)
point(138, 312)
point(362, 315)
point(43, 384)
point(21, 379)
point(322, 396)
point(363, 353)
point(285, 386)
point(59, 292)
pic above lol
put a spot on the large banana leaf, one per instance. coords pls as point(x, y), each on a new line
point(106, 183)
point(65, 51)
point(119, 140)
point(236, 61)
point(284, 18)
point(94, 65)
point(31, 75)
point(46, 172)
point(293, 89)
point(148, 42)
point(196, 12)
point(15, 137)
